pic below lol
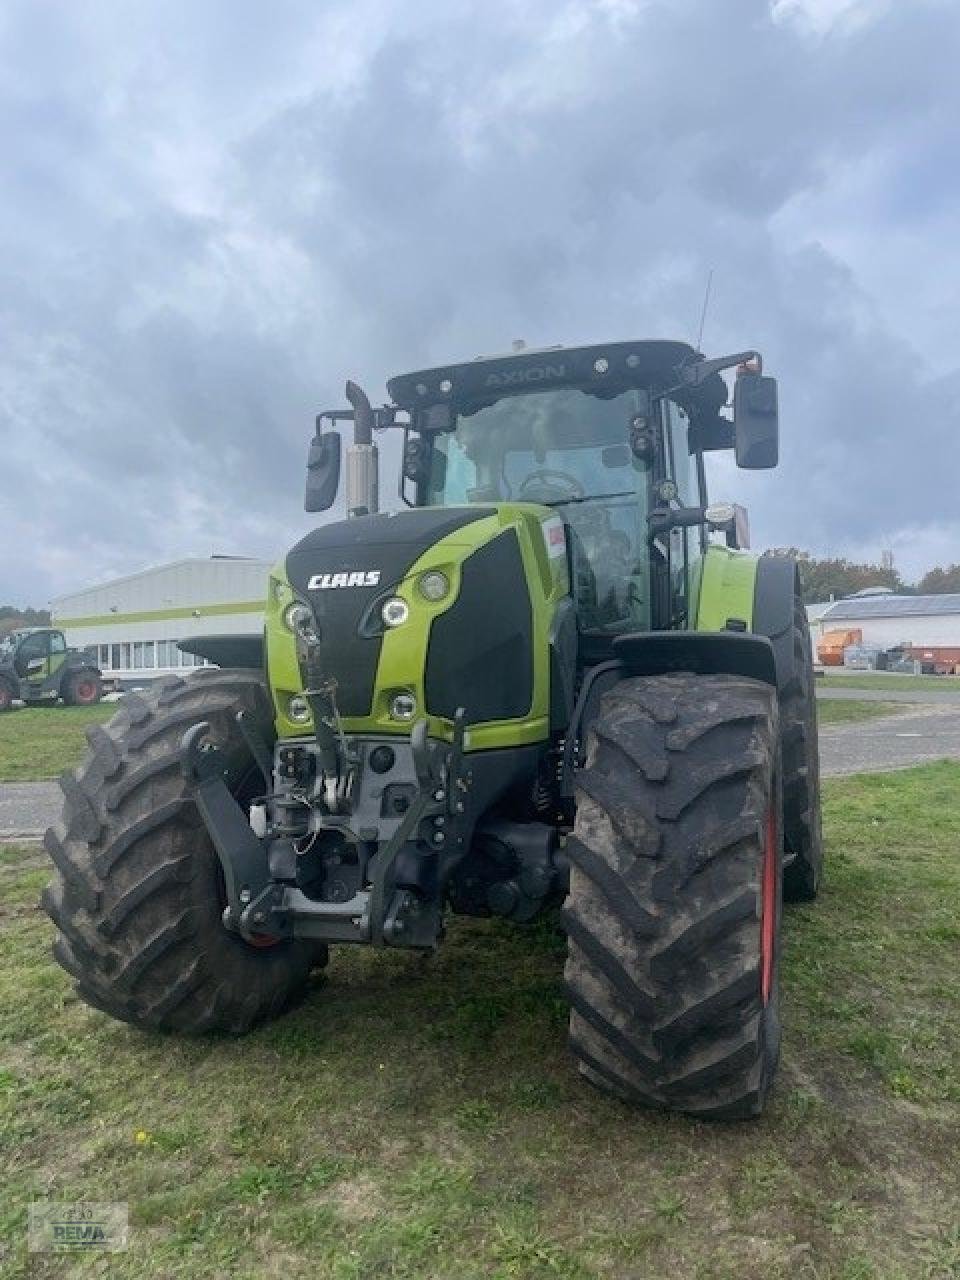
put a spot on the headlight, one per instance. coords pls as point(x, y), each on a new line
point(403, 707)
point(298, 709)
point(298, 618)
point(395, 612)
point(434, 585)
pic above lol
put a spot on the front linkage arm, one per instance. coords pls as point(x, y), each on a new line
point(260, 872)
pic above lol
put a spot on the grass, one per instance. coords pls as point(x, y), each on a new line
point(421, 1119)
point(890, 680)
point(40, 742)
point(841, 711)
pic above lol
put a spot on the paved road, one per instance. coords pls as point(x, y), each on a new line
point(27, 808)
point(931, 732)
point(891, 742)
point(933, 697)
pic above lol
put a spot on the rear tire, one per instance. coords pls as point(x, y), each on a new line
point(137, 895)
point(84, 689)
point(673, 914)
point(803, 838)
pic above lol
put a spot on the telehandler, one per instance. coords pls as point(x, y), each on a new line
point(37, 665)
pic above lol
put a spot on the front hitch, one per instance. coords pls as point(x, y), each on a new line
point(250, 892)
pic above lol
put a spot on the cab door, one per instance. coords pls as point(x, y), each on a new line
point(33, 663)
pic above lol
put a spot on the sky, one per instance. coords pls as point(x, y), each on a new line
point(213, 214)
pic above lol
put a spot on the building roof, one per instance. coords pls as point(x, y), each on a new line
point(158, 569)
point(893, 607)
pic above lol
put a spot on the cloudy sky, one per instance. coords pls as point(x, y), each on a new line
point(213, 213)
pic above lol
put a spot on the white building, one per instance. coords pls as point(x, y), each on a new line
point(889, 620)
point(131, 625)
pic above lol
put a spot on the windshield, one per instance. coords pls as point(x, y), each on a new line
point(567, 450)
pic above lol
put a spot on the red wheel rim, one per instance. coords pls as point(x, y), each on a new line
point(262, 940)
point(768, 908)
point(86, 691)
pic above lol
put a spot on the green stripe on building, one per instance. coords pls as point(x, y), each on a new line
point(163, 615)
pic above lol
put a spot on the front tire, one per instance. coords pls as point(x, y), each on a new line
point(673, 914)
point(137, 893)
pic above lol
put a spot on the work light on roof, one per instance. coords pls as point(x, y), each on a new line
point(446, 386)
point(601, 364)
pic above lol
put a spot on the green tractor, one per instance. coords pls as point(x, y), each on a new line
point(37, 666)
point(554, 678)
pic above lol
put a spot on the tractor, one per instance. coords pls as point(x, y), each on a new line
point(553, 677)
point(37, 666)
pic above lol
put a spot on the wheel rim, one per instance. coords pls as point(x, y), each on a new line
point(768, 909)
point(86, 691)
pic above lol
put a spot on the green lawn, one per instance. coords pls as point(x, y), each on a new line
point(40, 742)
point(887, 680)
point(421, 1119)
point(840, 711)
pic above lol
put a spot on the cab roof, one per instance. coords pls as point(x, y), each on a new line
point(604, 369)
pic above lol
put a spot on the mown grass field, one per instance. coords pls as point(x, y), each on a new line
point(841, 711)
point(40, 742)
point(421, 1119)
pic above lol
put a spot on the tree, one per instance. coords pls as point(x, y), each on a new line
point(12, 618)
point(821, 579)
point(937, 582)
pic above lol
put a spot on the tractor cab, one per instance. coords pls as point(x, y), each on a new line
point(609, 437)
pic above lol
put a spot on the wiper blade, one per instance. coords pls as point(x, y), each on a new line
point(590, 497)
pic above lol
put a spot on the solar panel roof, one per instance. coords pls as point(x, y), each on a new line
point(892, 607)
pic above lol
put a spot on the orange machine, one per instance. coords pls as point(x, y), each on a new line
point(831, 645)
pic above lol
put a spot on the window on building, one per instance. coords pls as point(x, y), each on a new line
point(114, 657)
point(149, 660)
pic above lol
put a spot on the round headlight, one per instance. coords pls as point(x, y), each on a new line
point(395, 611)
point(434, 585)
point(298, 709)
point(298, 618)
point(403, 707)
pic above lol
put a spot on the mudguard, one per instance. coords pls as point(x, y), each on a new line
point(227, 651)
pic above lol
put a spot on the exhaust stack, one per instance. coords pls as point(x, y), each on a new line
point(362, 457)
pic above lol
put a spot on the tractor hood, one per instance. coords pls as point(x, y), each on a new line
point(474, 641)
point(345, 569)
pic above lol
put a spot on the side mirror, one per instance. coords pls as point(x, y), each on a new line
point(755, 422)
point(323, 472)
